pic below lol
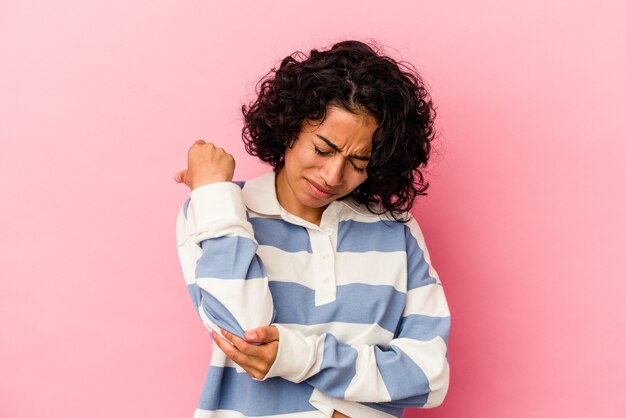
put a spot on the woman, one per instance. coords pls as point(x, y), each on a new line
point(314, 279)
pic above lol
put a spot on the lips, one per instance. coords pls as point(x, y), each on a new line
point(319, 191)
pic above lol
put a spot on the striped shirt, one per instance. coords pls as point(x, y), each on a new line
point(362, 316)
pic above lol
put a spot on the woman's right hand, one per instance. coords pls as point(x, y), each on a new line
point(206, 164)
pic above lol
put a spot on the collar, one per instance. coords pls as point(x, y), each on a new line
point(259, 194)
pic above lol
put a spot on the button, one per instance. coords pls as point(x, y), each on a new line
point(325, 280)
point(329, 232)
point(325, 257)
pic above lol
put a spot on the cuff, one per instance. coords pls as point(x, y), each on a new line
point(215, 206)
point(297, 357)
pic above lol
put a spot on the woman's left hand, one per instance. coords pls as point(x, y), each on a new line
point(256, 360)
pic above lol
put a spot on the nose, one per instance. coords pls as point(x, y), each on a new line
point(332, 171)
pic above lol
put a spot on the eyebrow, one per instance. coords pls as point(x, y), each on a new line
point(336, 148)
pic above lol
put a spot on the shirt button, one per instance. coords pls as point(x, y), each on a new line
point(325, 257)
point(329, 232)
point(325, 280)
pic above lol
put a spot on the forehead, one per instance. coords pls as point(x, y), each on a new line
point(349, 131)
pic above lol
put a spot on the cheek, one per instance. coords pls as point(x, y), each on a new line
point(297, 157)
point(355, 181)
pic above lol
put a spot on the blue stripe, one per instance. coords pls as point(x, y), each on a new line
point(417, 271)
point(355, 303)
point(337, 369)
point(403, 379)
point(186, 207)
point(360, 237)
point(229, 257)
point(224, 388)
point(280, 234)
point(196, 295)
point(394, 411)
point(424, 328)
point(218, 313)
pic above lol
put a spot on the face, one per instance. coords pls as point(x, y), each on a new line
point(325, 162)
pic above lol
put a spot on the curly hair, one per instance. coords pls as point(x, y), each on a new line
point(353, 76)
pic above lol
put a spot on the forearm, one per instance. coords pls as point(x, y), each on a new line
point(408, 372)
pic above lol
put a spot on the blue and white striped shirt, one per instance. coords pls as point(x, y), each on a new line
point(361, 313)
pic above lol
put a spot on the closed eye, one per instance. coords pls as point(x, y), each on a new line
point(357, 168)
point(327, 153)
point(320, 152)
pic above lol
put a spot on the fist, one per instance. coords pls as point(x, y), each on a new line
point(206, 164)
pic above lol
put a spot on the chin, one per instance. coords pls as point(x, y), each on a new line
point(315, 203)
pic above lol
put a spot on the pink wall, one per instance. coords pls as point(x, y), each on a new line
point(99, 101)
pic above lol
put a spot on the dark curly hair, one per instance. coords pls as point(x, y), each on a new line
point(353, 76)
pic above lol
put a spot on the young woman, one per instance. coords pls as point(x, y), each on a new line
point(314, 279)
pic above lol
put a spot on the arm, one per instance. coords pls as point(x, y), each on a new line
point(412, 371)
point(216, 246)
point(217, 253)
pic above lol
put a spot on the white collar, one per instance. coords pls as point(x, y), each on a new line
point(259, 194)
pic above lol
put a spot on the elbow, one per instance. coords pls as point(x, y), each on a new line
point(438, 387)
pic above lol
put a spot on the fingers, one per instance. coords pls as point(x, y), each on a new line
point(225, 346)
point(180, 176)
point(208, 145)
point(199, 142)
point(242, 353)
point(208, 164)
point(240, 344)
point(262, 335)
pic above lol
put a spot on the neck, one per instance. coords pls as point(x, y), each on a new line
point(288, 201)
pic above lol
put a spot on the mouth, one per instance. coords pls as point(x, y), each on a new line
point(319, 191)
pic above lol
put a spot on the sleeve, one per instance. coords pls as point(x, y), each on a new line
point(217, 252)
point(412, 371)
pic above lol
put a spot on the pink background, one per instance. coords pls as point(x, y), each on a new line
point(525, 220)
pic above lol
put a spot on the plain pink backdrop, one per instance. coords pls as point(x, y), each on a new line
point(524, 220)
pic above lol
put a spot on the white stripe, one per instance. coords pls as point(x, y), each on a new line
point(380, 269)
point(368, 382)
point(188, 251)
point(427, 300)
point(250, 301)
point(352, 334)
point(435, 398)
point(289, 267)
point(324, 402)
point(303, 268)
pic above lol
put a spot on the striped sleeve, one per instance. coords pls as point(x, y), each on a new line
point(412, 371)
point(217, 252)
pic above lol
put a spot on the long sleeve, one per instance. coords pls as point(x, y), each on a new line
point(412, 371)
point(217, 252)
